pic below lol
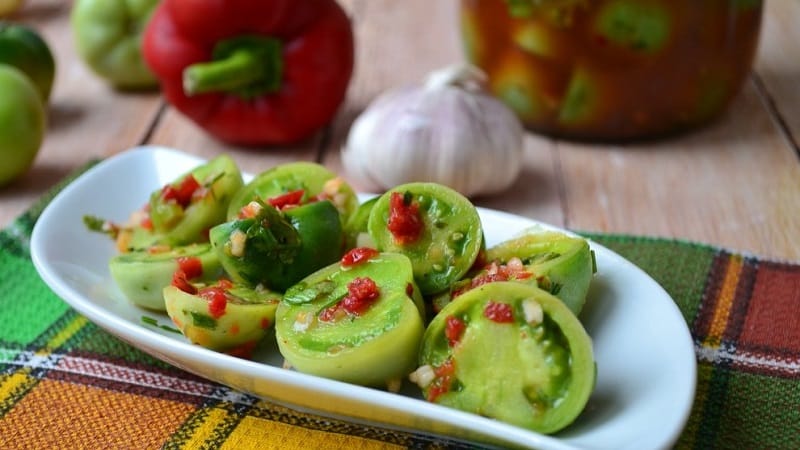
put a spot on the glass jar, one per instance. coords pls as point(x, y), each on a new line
point(612, 69)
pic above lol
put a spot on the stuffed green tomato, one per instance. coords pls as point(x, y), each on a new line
point(508, 351)
point(141, 275)
point(222, 316)
point(360, 320)
point(435, 226)
point(556, 262)
point(184, 210)
point(278, 248)
point(293, 184)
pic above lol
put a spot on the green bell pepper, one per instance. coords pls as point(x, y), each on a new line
point(23, 119)
point(108, 36)
point(24, 48)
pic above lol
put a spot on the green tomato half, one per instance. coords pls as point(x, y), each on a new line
point(141, 275)
point(22, 123)
point(279, 249)
point(373, 347)
point(511, 352)
point(314, 179)
point(560, 264)
point(235, 323)
point(108, 36)
point(218, 180)
point(450, 238)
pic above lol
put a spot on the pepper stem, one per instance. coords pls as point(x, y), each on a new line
point(247, 66)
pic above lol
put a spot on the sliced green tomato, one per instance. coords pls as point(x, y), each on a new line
point(219, 180)
point(356, 231)
point(371, 348)
point(536, 371)
point(450, 239)
point(521, 82)
point(279, 249)
point(582, 101)
point(246, 317)
point(254, 250)
point(142, 275)
point(314, 179)
point(640, 26)
point(562, 265)
point(534, 37)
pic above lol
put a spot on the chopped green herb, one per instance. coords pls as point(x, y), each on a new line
point(153, 322)
point(100, 225)
point(203, 320)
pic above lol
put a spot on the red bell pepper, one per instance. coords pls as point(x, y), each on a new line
point(252, 72)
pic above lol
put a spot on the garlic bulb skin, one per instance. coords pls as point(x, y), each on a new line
point(448, 131)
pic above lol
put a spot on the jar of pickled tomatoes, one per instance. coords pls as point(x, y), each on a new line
point(613, 69)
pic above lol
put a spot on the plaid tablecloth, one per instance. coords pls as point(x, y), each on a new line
point(65, 383)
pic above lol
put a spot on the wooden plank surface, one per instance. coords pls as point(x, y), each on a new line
point(735, 183)
point(87, 119)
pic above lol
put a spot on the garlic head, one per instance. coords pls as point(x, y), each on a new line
point(449, 130)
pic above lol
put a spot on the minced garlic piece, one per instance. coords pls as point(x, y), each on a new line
point(237, 240)
point(332, 186)
point(515, 264)
point(534, 314)
point(303, 321)
point(423, 376)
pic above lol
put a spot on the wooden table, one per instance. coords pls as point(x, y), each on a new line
point(735, 183)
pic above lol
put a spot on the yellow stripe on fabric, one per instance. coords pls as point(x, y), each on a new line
point(254, 433)
point(67, 332)
point(725, 301)
point(11, 385)
point(213, 418)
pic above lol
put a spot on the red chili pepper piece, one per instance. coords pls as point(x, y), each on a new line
point(498, 312)
point(405, 223)
point(453, 330)
point(358, 256)
point(180, 281)
point(146, 223)
point(443, 381)
point(361, 293)
point(217, 300)
point(291, 198)
point(191, 266)
point(183, 193)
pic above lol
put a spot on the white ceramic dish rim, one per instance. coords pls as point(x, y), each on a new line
point(375, 406)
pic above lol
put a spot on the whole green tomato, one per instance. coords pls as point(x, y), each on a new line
point(108, 36)
point(22, 123)
point(23, 48)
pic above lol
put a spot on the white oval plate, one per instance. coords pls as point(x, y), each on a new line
point(645, 357)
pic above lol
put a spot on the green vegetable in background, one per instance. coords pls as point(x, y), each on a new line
point(23, 48)
point(22, 123)
point(108, 36)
